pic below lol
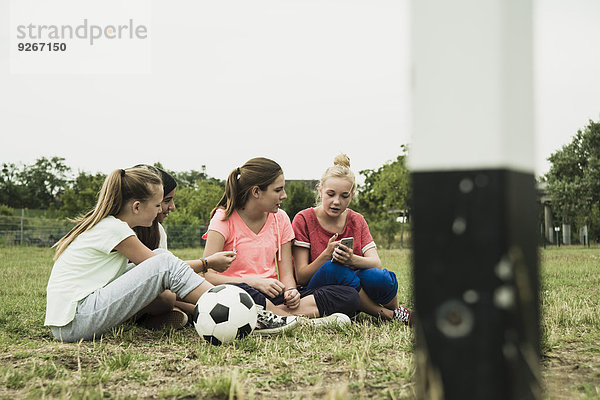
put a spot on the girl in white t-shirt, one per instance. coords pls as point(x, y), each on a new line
point(89, 291)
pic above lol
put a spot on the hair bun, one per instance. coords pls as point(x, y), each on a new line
point(342, 160)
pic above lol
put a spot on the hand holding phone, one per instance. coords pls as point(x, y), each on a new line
point(348, 242)
point(344, 256)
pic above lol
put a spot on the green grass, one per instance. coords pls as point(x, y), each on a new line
point(365, 360)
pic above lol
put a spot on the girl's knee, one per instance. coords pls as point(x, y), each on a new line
point(166, 257)
point(332, 273)
point(380, 285)
point(353, 302)
point(377, 278)
point(335, 298)
point(161, 251)
point(333, 266)
point(164, 262)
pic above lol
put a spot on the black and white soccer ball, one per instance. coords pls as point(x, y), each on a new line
point(224, 313)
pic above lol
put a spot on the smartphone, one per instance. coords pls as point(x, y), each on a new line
point(348, 242)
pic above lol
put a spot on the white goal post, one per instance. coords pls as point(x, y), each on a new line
point(474, 213)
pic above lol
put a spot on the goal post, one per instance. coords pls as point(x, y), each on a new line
point(474, 214)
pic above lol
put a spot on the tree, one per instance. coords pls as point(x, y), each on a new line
point(6, 211)
point(44, 181)
point(82, 195)
point(384, 196)
point(200, 201)
point(192, 213)
point(299, 197)
point(574, 178)
point(12, 192)
point(191, 178)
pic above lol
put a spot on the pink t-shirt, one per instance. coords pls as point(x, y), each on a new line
point(311, 235)
point(255, 252)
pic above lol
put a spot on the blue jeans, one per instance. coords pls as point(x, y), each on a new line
point(380, 285)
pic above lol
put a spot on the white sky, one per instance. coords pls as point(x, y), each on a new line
point(295, 80)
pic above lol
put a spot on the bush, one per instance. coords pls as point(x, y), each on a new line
point(183, 229)
point(6, 210)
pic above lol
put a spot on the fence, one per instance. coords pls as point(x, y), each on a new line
point(44, 232)
point(31, 231)
point(180, 236)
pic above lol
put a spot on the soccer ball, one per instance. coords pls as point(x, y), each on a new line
point(224, 313)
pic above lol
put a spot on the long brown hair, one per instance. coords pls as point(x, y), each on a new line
point(120, 186)
point(258, 171)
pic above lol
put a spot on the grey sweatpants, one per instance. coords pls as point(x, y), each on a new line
point(118, 301)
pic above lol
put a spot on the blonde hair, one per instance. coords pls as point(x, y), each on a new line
point(340, 169)
point(257, 171)
point(120, 186)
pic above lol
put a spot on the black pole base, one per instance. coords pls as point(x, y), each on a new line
point(476, 284)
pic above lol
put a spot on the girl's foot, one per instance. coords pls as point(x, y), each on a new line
point(268, 323)
point(175, 319)
point(405, 315)
point(335, 319)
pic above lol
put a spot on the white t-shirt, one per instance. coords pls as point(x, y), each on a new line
point(162, 243)
point(87, 264)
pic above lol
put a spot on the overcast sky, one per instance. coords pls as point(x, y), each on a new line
point(295, 80)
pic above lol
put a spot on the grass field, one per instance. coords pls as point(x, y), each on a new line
point(366, 360)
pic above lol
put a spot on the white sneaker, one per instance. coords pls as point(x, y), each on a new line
point(268, 323)
point(335, 319)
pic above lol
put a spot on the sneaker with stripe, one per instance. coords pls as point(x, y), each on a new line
point(405, 315)
point(268, 323)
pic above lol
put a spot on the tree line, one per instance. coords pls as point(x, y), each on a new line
point(573, 181)
point(50, 185)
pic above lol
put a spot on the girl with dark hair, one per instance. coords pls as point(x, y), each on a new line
point(248, 220)
point(167, 311)
point(155, 237)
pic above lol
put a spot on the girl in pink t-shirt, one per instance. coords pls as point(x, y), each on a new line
point(248, 221)
point(320, 258)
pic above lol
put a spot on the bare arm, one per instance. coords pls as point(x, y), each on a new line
point(286, 273)
point(196, 265)
point(304, 269)
point(286, 276)
point(219, 261)
point(134, 250)
point(214, 243)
